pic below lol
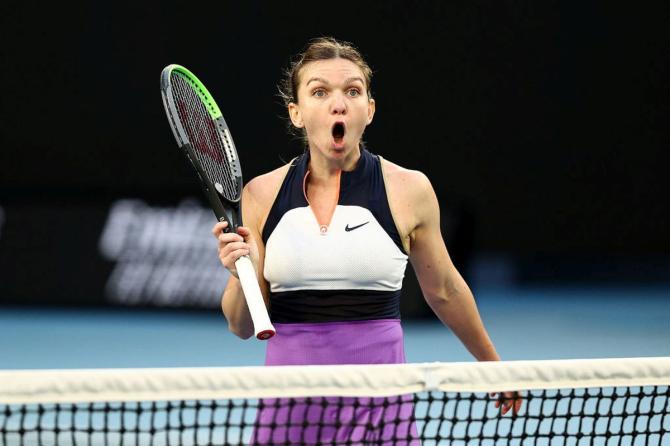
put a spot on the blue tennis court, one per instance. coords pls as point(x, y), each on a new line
point(529, 323)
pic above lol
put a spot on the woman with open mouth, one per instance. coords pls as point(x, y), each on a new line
point(330, 234)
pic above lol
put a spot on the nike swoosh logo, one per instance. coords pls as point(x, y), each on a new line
point(348, 229)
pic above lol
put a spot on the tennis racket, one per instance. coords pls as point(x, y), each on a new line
point(202, 133)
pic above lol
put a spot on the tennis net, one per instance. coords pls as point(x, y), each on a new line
point(565, 402)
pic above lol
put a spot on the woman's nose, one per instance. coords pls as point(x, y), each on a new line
point(338, 105)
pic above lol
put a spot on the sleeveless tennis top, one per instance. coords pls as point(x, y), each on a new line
point(334, 294)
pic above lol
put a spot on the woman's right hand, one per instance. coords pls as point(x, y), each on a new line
point(232, 246)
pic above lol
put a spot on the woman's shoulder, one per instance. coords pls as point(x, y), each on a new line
point(263, 189)
point(403, 179)
point(410, 197)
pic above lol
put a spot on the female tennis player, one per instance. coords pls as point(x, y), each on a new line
point(330, 233)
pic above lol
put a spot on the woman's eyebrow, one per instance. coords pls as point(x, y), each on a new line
point(347, 81)
point(318, 79)
point(354, 79)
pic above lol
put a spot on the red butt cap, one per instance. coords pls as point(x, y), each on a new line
point(265, 335)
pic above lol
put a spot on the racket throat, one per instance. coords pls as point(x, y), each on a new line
point(233, 218)
point(225, 211)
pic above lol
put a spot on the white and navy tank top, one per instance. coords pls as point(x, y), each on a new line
point(335, 294)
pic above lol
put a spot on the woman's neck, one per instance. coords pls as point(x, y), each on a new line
point(324, 171)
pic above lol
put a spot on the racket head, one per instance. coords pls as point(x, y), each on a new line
point(201, 131)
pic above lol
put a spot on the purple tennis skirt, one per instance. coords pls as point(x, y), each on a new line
point(336, 420)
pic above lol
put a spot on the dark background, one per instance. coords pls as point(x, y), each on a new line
point(543, 126)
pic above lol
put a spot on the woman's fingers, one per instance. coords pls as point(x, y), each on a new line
point(219, 227)
point(228, 248)
point(244, 231)
point(508, 401)
point(231, 245)
point(229, 237)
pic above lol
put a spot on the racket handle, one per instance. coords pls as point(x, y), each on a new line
point(263, 328)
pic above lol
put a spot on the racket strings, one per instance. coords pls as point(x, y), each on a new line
point(205, 138)
point(230, 151)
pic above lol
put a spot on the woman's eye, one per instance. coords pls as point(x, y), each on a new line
point(354, 92)
point(319, 93)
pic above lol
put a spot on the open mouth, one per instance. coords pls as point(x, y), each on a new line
point(338, 132)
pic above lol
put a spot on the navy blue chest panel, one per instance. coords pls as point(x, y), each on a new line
point(352, 272)
point(364, 187)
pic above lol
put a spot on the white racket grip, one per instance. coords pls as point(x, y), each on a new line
point(263, 328)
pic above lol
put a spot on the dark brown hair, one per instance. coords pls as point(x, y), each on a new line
point(322, 48)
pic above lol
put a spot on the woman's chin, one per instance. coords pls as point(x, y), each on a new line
point(337, 148)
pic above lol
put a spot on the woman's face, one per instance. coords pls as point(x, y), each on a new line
point(333, 106)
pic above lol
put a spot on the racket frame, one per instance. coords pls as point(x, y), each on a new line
point(233, 212)
point(224, 208)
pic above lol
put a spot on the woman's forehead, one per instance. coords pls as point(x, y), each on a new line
point(331, 70)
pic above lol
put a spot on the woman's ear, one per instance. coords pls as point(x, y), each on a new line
point(294, 114)
point(371, 110)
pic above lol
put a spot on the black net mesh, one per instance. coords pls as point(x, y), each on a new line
point(211, 142)
point(591, 416)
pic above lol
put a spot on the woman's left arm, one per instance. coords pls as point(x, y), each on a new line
point(443, 287)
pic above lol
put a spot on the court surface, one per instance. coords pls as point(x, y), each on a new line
point(530, 323)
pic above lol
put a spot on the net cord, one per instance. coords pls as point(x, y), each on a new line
point(104, 385)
